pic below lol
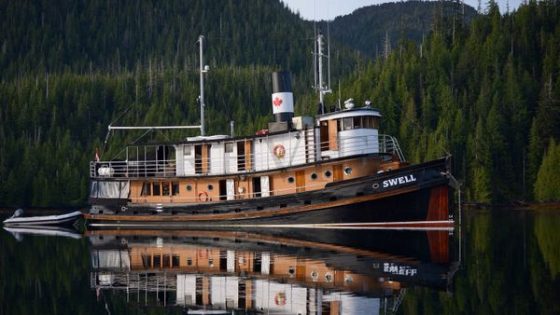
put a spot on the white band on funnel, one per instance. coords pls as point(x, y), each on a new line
point(282, 102)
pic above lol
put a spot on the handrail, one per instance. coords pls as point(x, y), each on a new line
point(232, 165)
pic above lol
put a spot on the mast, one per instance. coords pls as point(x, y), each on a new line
point(320, 85)
point(203, 69)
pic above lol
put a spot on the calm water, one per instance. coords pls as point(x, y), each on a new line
point(500, 262)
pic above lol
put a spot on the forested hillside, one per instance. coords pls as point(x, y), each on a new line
point(486, 92)
point(371, 28)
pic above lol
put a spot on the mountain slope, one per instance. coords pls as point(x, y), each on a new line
point(365, 28)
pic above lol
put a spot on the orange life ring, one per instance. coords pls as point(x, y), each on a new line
point(279, 151)
point(205, 194)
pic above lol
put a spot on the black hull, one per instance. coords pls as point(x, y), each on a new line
point(416, 194)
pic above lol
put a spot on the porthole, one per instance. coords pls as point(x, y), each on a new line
point(328, 174)
point(210, 187)
point(328, 277)
point(292, 271)
point(348, 171)
point(291, 179)
point(313, 176)
point(189, 187)
point(314, 275)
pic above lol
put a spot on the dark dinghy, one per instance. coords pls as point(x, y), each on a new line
point(60, 219)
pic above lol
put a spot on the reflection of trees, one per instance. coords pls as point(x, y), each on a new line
point(548, 238)
point(503, 270)
point(48, 275)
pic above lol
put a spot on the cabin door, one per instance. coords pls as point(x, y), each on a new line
point(230, 160)
point(230, 189)
point(198, 159)
point(300, 181)
point(333, 135)
point(265, 186)
point(256, 186)
point(337, 172)
point(241, 156)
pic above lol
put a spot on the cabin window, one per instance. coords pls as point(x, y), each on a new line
point(156, 189)
point(146, 261)
point(210, 187)
point(187, 150)
point(313, 176)
point(229, 147)
point(175, 261)
point(189, 187)
point(146, 189)
point(165, 188)
point(357, 122)
point(211, 262)
point(371, 122)
point(166, 261)
point(328, 174)
point(347, 123)
point(291, 180)
point(189, 262)
point(348, 171)
point(175, 188)
point(157, 261)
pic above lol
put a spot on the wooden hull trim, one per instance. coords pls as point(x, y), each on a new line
point(244, 216)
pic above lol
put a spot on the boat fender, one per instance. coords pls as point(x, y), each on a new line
point(203, 196)
point(375, 186)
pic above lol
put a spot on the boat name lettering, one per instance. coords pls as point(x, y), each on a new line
point(399, 181)
point(399, 270)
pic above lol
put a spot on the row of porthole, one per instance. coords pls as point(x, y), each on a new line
point(210, 187)
point(291, 179)
point(327, 174)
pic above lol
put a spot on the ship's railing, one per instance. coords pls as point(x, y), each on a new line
point(149, 168)
point(390, 144)
point(220, 165)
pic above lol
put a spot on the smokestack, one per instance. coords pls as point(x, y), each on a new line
point(282, 97)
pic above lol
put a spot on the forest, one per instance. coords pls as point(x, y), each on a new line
point(484, 88)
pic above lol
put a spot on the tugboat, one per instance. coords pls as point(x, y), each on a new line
point(331, 171)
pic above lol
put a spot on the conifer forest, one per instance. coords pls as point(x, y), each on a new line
point(482, 86)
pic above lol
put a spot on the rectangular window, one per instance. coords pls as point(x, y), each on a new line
point(146, 261)
point(357, 122)
point(175, 261)
point(157, 261)
point(156, 189)
point(187, 150)
point(165, 188)
point(146, 189)
point(347, 123)
point(166, 261)
point(229, 147)
point(175, 188)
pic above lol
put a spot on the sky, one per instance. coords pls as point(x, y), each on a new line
point(329, 9)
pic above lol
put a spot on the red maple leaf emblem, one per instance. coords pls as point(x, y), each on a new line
point(277, 101)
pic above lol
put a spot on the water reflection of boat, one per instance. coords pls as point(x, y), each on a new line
point(66, 219)
point(224, 270)
point(38, 230)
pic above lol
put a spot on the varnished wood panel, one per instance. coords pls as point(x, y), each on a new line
point(333, 135)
